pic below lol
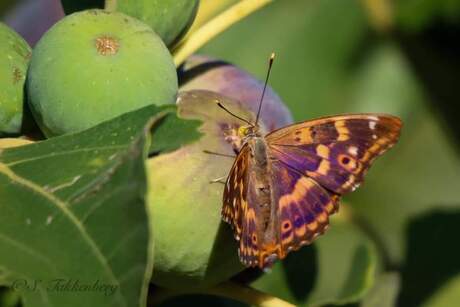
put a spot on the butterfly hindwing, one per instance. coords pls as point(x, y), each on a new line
point(299, 210)
point(303, 207)
point(336, 151)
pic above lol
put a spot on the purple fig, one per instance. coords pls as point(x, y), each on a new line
point(206, 73)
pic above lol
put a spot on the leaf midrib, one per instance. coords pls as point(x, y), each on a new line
point(5, 170)
point(68, 152)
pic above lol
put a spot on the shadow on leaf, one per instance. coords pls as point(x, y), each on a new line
point(200, 300)
point(357, 274)
point(301, 269)
point(433, 54)
point(432, 255)
point(224, 238)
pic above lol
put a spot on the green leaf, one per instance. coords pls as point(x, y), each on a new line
point(430, 250)
point(385, 291)
point(448, 295)
point(383, 82)
point(73, 209)
point(416, 15)
point(9, 297)
point(339, 268)
point(171, 132)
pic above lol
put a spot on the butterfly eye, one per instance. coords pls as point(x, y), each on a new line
point(243, 131)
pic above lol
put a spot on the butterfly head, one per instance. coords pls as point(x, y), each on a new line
point(248, 131)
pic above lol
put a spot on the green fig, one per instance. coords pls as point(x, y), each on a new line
point(14, 59)
point(95, 65)
point(193, 249)
point(169, 18)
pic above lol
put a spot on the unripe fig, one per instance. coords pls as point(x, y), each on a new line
point(169, 18)
point(95, 65)
point(193, 247)
point(14, 59)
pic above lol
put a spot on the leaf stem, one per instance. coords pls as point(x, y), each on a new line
point(215, 26)
point(230, 290)
point(110, 5)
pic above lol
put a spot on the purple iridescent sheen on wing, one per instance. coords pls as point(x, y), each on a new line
point(303, 206)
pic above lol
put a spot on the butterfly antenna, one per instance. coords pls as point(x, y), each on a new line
point(270, 63)
point(233, 114)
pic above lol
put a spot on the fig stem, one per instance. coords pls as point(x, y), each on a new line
point(13, 142)
point(208, 10)
point(230, 290)
point(110, 5)
point(215, 26)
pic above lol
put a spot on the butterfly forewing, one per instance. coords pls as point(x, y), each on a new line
point(240, 208)
point(235, 192)
point(335, 151)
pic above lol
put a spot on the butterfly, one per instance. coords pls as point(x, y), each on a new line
point(284, 185)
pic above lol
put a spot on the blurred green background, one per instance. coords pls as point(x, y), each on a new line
point(338, 56)
point(395, 241)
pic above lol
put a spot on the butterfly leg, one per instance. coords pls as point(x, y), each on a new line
point(219, 180)
point(223, 178)
point(218, 154)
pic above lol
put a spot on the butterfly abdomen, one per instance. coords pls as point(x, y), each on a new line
point(260, 199)
point(261, 196)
